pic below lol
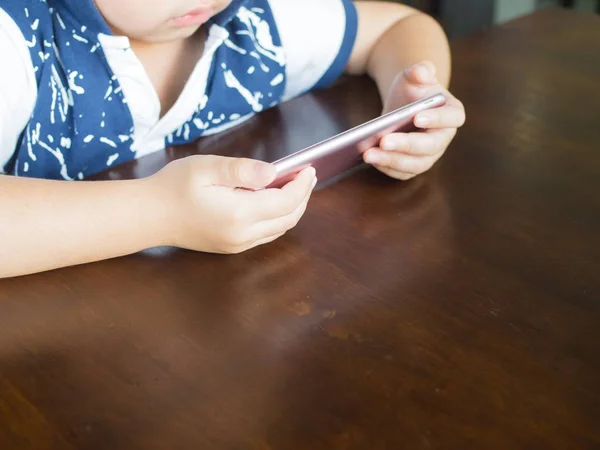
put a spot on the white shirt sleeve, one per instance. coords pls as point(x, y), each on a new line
point(318, 37)
point(18, 86)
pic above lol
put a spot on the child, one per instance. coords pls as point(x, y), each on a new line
point(88, 84)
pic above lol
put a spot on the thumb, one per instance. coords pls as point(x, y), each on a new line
point(239, 172)
point(421, 73)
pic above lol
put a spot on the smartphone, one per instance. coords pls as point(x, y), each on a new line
point(339, 154)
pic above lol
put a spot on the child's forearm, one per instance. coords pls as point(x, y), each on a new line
point(51, 224)
point(414, 38)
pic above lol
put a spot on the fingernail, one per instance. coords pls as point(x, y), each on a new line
point(422, 121)
point(388, 145)
point(421, 69)
point(264, 170)
point(309, 172)
point(373, 158)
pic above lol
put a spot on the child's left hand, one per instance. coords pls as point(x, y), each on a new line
point(406, 155)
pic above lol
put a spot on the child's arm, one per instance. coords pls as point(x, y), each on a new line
point(50, 224)
point(392, 37)
point(407, 54)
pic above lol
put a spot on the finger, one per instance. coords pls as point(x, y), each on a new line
point(258, 243)
point(275, 203)
point(282, 224)
point(272, 229)
point(396, 174)
point(400, 162)
point(268, 240)
point(418, 144)
point(235, 172)
point(423, 72)
point(450, 116)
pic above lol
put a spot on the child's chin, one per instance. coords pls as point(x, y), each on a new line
point(182, 33)
point(172, 34)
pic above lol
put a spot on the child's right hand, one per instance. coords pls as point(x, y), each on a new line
point(206, 211)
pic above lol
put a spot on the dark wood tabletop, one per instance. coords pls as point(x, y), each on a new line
point(460, 310)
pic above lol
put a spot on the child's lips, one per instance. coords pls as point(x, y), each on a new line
point(196, 17)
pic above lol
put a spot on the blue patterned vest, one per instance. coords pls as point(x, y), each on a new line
point(81, 123)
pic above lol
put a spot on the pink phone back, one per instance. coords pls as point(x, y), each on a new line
point(334, 157)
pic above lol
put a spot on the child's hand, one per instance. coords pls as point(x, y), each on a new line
point(207, 212)
point(405, 155)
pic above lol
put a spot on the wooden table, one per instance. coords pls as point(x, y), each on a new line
point(460, 310)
